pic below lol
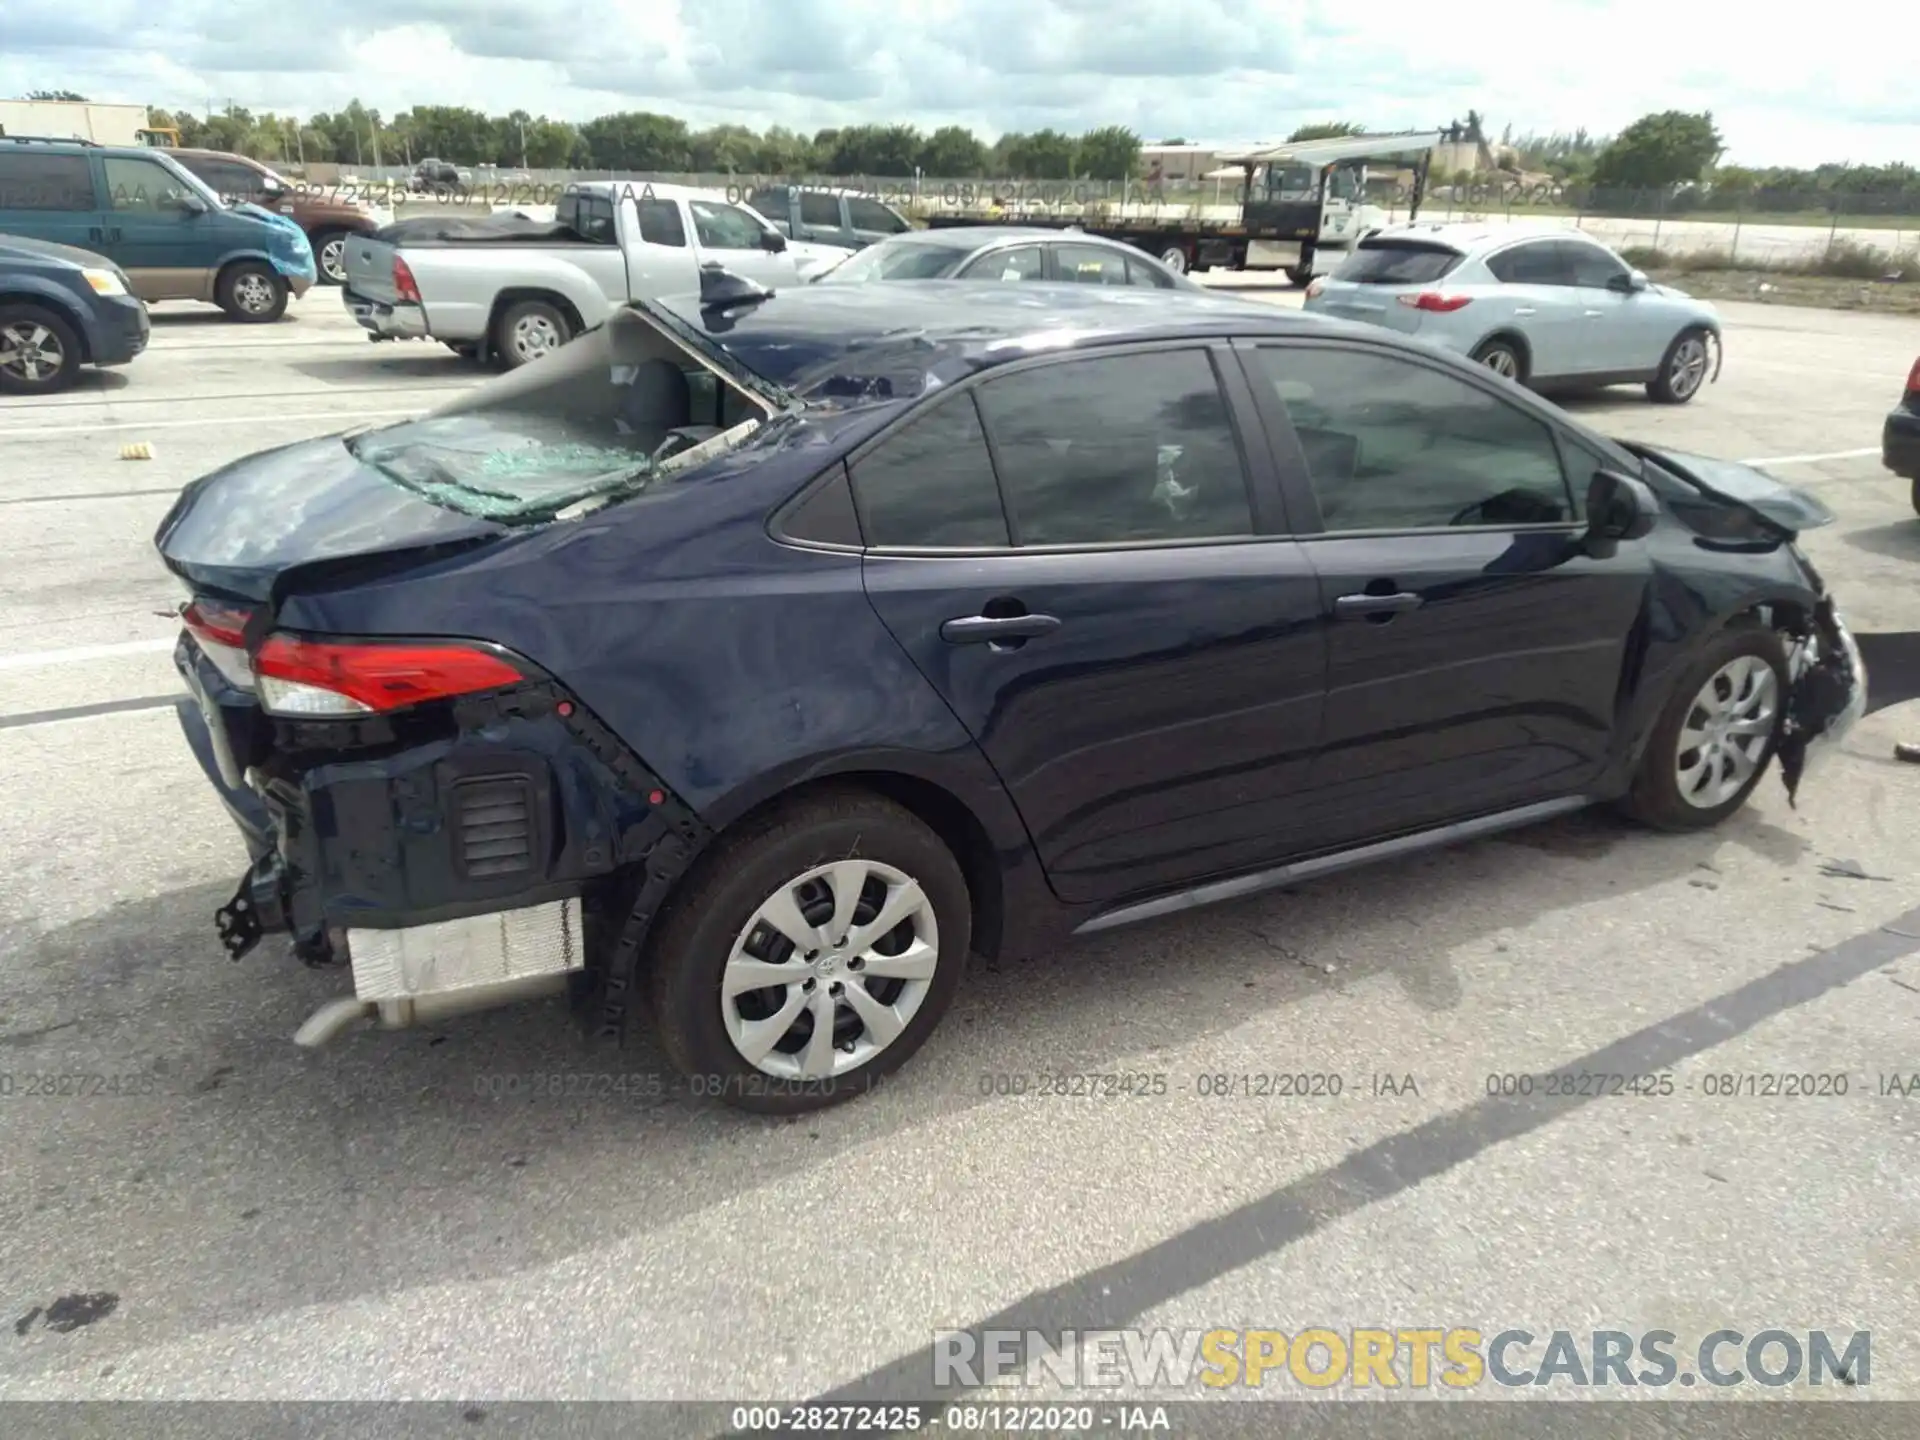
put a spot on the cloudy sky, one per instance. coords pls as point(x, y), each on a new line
point(1786, 88)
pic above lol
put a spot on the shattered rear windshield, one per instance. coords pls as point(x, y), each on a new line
point(616, 412)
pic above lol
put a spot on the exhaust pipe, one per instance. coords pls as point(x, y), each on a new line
point(335, 1017)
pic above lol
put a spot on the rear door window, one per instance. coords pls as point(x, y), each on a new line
point(660, 223)
point(770, 203)
point(930, 484)
point(1141, 271)
point(872, 215)
point(1397, 263)
point(30, 181)
point(1539, 262)
point(1090, 265)
point(724, 227)
point(1021, 262)
point(1588, 266)
point(820, 209)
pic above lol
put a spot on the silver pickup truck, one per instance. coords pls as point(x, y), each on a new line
point(509, 288)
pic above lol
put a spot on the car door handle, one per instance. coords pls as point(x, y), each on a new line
point(96, 233)
point(1524, 310)
point(1350, 605)
point(983, 629)
point(1595, 314)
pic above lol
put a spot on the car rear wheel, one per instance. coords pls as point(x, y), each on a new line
point(1174, 257)
point(1914, 495)
point(330, 256)
point(1503, 357)
point(811, 955)
point(528, 330)
point(1683, 369)
point(1719, 729)
point(39, 351)
point(252, 292)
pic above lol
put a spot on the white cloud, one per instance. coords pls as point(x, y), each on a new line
point(1785, 89)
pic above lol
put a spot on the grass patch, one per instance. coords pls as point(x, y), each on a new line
point(1842, 260)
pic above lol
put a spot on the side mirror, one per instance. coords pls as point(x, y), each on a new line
point(1630, 283)
point(773, 240)
point(1619, 507)
point(187, 203)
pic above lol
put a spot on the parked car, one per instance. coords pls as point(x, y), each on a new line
point(1900, 436)
point(828, 217)
point(769, 655)
point(163, 226)
point(60, 309)
point(511, 289)
point(438, 175)
point(324, 214)
point(1546, 308)
point(1006, 253)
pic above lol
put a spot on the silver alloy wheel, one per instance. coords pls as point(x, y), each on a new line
point(253, 293)
point(1174, 258)
point(31, 351)
point(830, 970)
point(1501, 361)
point(332, 259)
point(1689, 366)
point(533, 336)
point(1726, 731)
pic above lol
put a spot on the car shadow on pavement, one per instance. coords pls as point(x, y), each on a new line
point(1899, 540)
point(251, 1177)
point(400, 358)
point(93, 381)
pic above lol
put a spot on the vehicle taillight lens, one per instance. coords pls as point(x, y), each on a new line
point(221, 633)
point(1317, 288)
point(1913, 379)
point(321, 678)
point(403, 282)
point(1436, 300)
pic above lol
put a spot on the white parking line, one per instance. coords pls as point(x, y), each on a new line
point(37, 659)
point(1814, 459)
point(344, 417)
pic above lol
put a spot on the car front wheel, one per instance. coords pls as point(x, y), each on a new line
point(1719, 729)
point(39, 351)
point(811, 954)
point(1683, 369)
point(252, 292)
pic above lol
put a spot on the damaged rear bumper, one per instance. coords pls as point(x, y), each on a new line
point(448, 857)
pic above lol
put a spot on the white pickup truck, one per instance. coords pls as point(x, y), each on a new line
point(509, 288)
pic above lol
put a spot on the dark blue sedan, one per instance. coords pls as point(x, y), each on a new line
point(754, 660)
point(60, 309)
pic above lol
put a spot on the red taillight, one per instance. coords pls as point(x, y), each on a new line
point(1317, 288)
point(403, 282)
point(220, 624)
point(327, 678)
point(221, 631)
point(1913, 379)
point(1437, 301)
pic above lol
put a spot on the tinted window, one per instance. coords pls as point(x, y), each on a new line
point(141, 185)
point(1589, 265)
point(1021, 262)
point(660, 223)
point(1376, 263)
point(819, 209)
point(1539, 263)
point(1392, 445)
point(44, 182)
point(1131, 447)
point(230, 182)
point(1090, 265)
point(1144, 272)
point(931, 483)
point(591, 216)
point(872, 215)
point(724, 227)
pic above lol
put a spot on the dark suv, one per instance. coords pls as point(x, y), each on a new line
point(806, 645)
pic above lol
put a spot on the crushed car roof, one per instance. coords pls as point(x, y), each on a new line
point(900, 339)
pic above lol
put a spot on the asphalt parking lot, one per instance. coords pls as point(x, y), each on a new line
point(380, 1219)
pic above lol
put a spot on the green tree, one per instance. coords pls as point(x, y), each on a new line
point(1042, 155)
point(729, 148)
point(1325, 130)
point(1657, 152)
point(1110, 153)
point(55, 95)
point(639, 140)
point(953, 152)
point(783, 152)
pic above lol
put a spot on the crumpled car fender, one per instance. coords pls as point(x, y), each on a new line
point(1826, 696)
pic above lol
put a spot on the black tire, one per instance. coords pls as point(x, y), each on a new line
point(1914, 495)
point(330, 245)
point(700, 924)
point(465, 350)
point(56, 350)
point(252, 292)
point(1503, 357)
point(1655, 799)
point(1300, 275)
point(518, 322)
point(1669, 388)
